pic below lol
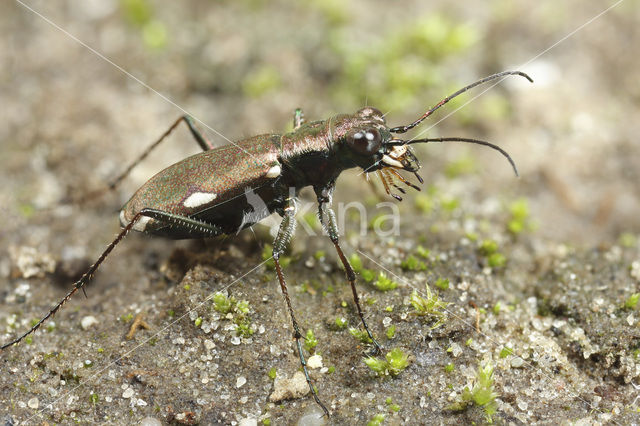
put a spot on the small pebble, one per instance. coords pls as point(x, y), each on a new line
point(517, 362)
point(150, 421)
point(313, 417)
point(314, 362)
point(128, 393)
point(296, 387)
point(240, 381)
point(88, 321)
point(33, 403)
point(248, 421)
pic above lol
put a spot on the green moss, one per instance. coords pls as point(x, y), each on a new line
point(413, 264)
point(198, 322)
point(266, 422)
point(449, 204)
point(449, 367)
point(331, 369)
point(341, 323)
point(93, 397)
point(368, 275)
point(442, 283)
point(423, 252)
point(319, 255)
point(272, 373)
point(429, 306)
point(632, 301)
point(361, 335)
point(505, 352)
point(377, 420)
point(488, 247)
point(240, 309)
point(627, 239)
point(519, 217)
point(424, 203)
point(171, 313)
point(393, 364)
point(496, 308)
point(126, 318)
point(28, 340)
point(310, 341)
point(222, 303)
point(384, 284)
point(496, 260)
point(482, 394)
point(391, 332)
point(356, 262)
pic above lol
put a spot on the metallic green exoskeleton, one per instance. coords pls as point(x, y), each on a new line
point(226, 189)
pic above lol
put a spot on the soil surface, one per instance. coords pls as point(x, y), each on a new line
point(538, 276)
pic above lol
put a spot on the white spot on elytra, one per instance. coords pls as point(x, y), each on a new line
point(274, 171)
point(199, 198)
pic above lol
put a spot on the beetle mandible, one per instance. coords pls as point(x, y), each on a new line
point(208, 194)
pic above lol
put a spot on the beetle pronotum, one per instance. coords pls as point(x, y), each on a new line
point(206, 195)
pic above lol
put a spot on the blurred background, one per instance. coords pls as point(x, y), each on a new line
point(71, 121)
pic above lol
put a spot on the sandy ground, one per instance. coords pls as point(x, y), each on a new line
point(551, 321)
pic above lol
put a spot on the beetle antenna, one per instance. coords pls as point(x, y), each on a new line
point(78, 284)
point(403, 129)
point(469, 140)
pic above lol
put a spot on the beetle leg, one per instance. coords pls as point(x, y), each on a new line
point(202, 229)
point(298, 118)
point(331, 226)
point(205, 144)
point(81, 282)
point(285, 232)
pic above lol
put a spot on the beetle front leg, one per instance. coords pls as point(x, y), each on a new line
point(328, 220)
point(285, 232)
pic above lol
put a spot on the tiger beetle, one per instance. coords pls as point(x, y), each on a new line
point(212, 193)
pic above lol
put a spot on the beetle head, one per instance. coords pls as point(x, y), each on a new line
point(372, 146)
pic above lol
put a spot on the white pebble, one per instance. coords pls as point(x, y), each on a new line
point(240, 381)
point(88, 321)
point(33, 403)
point(314, 362)
point(248, 421)
point(128, 393)
point(150, 421)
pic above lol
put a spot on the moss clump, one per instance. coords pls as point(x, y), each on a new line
point(482, 394)
point(430, 306)
point(383, 283)
point(393, 363)
point(632, 301)
point(239, 311)
point(310, 341)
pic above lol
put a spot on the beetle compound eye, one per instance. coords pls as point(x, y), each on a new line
point(365, 142)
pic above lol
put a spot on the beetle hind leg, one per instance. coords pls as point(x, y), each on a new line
point(285, 232)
